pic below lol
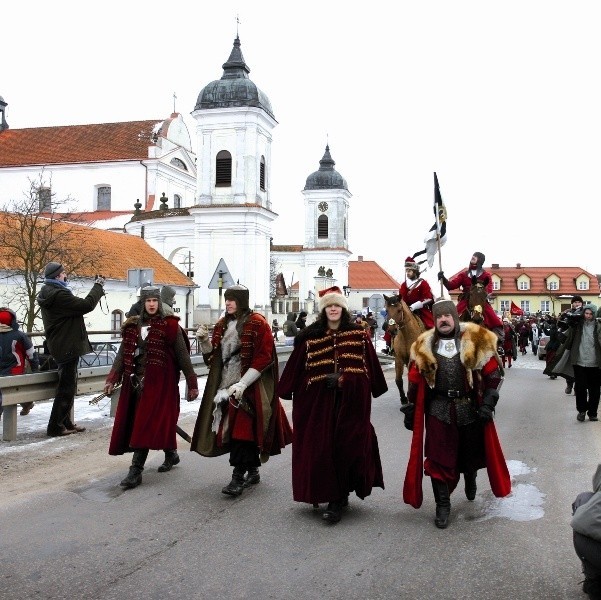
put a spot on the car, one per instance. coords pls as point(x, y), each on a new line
point(542, 347)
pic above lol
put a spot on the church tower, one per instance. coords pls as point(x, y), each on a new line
point(233, 204)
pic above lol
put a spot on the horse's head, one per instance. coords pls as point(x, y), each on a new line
point(391, 300)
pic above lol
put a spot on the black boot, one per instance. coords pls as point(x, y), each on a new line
point(443, 503)
point(333, 513)
point(252, 477)
point(171, 458)
point(236, 486)
point(134, 477)
point(469, 478)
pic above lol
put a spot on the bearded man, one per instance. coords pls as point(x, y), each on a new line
point(454, 377)
point(416, 293)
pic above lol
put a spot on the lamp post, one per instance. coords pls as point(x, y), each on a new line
point(220, 287)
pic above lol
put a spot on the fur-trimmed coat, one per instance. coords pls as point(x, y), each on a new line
point(483, 369)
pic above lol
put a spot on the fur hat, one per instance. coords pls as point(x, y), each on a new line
point(168, 295)
point(577, 299)
point(239, 293)
point(52, 270)
point(411, 264)
point(330, 296)
point(442, 306)
point(481, 258)
point(150, 291)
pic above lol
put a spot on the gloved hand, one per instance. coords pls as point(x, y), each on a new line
point(486, 413)
point(441, 275)
point(444, 280)
point(99, 280)
point(192, 395)
point(416, 305)
point(202, 333)
point(237, 390)
point(332, 380)
point(409, 411)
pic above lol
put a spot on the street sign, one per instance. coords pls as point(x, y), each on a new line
point(139, 277)
point(223, 273)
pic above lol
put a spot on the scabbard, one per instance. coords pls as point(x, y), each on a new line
point(183, 434)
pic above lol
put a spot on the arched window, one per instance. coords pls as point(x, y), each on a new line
point(179, 163)
point(262, 174)
point(116, 322)
point(322, 227)
point(223, 169)
point(177, 201)
point(103, 200)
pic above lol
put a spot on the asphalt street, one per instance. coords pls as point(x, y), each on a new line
point(177, 536)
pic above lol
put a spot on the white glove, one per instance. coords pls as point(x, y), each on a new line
point(237, 390)
point(99, 280)
point(417, 305)
point(202, 333)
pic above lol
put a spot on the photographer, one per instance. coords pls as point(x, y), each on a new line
point(566, 318)
point(580, 357)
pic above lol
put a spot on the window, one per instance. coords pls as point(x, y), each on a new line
point(545, 306)
point(103, 200)
point(345, 228)
point(180, 164)
point(525, 305)
point(322, 227)
point(553, 285)
point(116, 322)
point(177, 201)
point(262, 174)
point(496, 285)
point(583, 285)
point(45, 199)
point(505, 305)
point(223, 169)
point(523, 285)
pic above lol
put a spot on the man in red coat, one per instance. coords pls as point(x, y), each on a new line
point(416, 293)
point(454, 376)
point(464, 280)
point(153, 351)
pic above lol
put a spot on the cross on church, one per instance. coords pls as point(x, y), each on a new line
point(174, 99)
point(187, 262)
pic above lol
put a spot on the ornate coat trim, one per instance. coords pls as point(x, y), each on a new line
point(477, 346)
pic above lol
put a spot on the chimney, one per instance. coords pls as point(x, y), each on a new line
point(3, 123)
point(518, 266)
point(495, 265)
point(359, 258)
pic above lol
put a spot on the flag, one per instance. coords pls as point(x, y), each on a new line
point(515, 309)
point(439, 229)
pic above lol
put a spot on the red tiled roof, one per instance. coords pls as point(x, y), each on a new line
point(369, 275)
point(119, 252)
point(77, 143)
point(284, 248)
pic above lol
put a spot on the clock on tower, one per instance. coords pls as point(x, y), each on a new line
point(323, 206)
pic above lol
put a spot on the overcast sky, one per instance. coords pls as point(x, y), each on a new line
point(501, 99)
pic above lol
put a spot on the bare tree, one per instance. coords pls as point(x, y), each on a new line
point(274, 266)
point(34, 231)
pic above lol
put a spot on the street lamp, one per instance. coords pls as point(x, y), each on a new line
point(347, 290)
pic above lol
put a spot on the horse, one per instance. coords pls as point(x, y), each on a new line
point(477, 298)
point(408, 327)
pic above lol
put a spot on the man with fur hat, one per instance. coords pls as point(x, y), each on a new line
point(240, 413)
point(465, 280)
point(153, 352)
point(331, 376)
point(416, 293)
point(62, 315)
point(454, 377)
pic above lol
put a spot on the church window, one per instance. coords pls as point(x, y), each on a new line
point(223, 169)
point(45, 199)
point(262, 174)
point(116, 322)
point(322, 227)
point(103, 200)
point(180, 164)
point(177, 201)
point(345, 228)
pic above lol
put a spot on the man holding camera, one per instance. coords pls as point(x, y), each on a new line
point(62, 314)
point(580, 357)
point(575, 310)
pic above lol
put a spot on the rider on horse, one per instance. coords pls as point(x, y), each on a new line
point(475, 273)
point(416, 292)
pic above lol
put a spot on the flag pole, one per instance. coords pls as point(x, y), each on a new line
point(436, 186)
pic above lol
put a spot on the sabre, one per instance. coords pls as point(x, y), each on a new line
point(98, 398)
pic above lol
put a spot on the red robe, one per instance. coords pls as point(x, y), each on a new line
point(463, 280)
point(420, 291)
point(478, 356)
point(334, 445)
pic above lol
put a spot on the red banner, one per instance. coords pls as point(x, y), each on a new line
point(515, 309)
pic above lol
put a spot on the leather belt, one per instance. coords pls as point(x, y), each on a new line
point(451, 393)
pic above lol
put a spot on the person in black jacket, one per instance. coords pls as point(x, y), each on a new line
point(62, 314)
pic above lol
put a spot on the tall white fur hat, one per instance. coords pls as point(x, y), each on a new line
point(332, 295)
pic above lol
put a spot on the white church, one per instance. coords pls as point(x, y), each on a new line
point(209, 213)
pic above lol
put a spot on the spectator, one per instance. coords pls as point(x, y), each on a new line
point(15, 349)
point(562, 325)
point(275, 328)
point(168, 300)
point(331, 376)
point(290, 329)
point(153, 352)
point(372, 324)
point(523, 336)
point(301, 322)
point(534, 337)
point(552, 346)
point(240, 412)
point(62, 314)
point(509, 343)
point(586, 523)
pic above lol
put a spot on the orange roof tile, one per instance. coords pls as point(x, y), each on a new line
point(120, 252)
point(369, 275)
point(77, 143)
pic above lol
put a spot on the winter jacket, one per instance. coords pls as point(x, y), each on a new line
point(289, 327)
point(15, 346)
point(62, 314)
point(587, 517)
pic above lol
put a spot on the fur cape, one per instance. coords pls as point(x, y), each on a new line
point(477, 346)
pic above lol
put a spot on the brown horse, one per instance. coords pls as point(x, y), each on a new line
point(477, 298)
point(408, 326)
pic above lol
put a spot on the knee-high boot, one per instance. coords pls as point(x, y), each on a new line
point(236, 486)
point(443, 503)
point(469, 478)
point(134, 477)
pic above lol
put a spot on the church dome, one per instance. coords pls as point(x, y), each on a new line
point(234, 88)
point(326, 178)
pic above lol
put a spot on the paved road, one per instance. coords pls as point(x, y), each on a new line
point(177, 536)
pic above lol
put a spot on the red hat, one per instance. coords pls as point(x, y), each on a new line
point(332, 295)
point(411, 264)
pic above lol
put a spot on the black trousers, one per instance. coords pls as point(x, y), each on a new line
point(60, 416)
point(244, 454)
point(587, 384)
